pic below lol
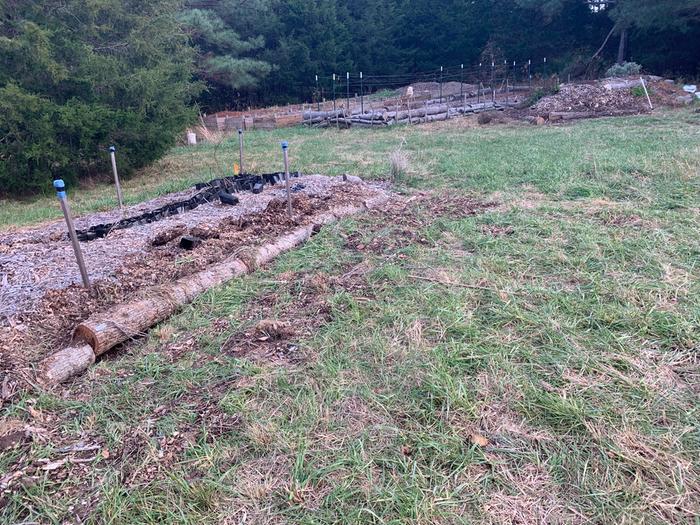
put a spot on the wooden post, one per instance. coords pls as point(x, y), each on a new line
point(348, 113)
point(112, 156)
point(240, 151)
point(529, 75)
point(493, 89)
point(440, 84)
point(285, 146)
point(65, 207)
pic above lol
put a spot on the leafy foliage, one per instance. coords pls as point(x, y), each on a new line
point(78, 76)
point(623, 70)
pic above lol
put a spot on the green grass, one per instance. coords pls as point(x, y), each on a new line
point(562, 326)
point(631, 158)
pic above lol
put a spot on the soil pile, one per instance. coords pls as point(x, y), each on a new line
point(593, 98)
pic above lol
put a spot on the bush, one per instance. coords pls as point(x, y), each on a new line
point(638, 91)
point(76, 79)
point(625, 69)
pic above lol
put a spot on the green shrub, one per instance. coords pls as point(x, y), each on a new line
point(638, 91)
point(75, 79)
point(625, 69)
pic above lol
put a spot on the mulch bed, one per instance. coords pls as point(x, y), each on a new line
point(154, 257)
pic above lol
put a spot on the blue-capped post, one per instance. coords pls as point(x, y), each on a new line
point(285, 147)
point(113, 157)
point(60, 187)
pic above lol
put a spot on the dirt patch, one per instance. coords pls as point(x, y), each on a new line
point(273, 327)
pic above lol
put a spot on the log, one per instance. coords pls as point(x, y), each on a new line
point(312, 115)
point(105, 330)
point(67, 363)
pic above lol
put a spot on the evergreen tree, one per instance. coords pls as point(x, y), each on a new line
point(79, 75)
point(224, 58)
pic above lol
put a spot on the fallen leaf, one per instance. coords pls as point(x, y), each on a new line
point(479, 440)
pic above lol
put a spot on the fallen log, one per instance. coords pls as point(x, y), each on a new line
point(67, 363)
point(132, 319)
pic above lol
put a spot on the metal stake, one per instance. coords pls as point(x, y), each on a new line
point(240, 151)
point(65, 207)
point(362, 94)
point(335, 111)
point(318, 96)
point(112, 156)
point(285, 146)
point(347, 95)
point(440, 84)
point(461, 84)
point(478, 88)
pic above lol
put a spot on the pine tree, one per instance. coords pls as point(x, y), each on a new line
point(79, 75)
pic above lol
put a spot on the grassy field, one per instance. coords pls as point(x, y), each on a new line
point(533, 362)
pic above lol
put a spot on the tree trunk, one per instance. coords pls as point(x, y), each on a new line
point(622, 48)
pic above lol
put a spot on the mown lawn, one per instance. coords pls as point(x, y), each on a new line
point(535, 362)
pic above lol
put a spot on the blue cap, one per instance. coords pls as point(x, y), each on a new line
point(285, 144)
point(60, 188)
point(112, 149)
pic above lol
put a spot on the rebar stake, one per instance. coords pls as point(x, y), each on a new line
point(240, 151)
point(285, 146)
point(63, 199)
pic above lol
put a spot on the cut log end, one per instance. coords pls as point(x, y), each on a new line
point(67, 363)
point(85, 335)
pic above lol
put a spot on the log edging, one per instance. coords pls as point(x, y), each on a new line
point(106, 330)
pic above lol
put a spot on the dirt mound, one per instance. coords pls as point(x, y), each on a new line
point(614, 96)
point(591, 98)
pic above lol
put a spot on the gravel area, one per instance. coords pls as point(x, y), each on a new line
point(34, 261)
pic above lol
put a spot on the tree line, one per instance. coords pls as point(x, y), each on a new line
point(79, 75)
